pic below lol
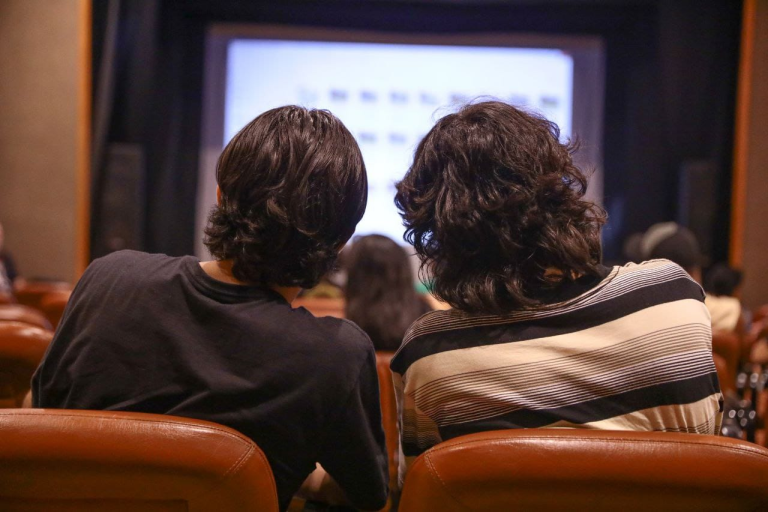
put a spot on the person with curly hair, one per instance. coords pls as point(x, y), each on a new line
point(540, 333)
point(219, 340)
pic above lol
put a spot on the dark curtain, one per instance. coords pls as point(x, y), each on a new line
point(671, 68)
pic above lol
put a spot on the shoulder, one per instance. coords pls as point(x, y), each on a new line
point(342, 337)
point(128, 258)
point(122, 262)
point(661, 267)
point(127, 269)
point(660, 273)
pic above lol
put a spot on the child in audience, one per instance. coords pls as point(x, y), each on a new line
point(218, 340)
point(541, 334)
point(380, 291)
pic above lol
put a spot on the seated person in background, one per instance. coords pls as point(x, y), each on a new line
point(218, 340)
point(8, 273)
point(720, 284)
point(540, 334)
point(671, 241)
point(380, 292)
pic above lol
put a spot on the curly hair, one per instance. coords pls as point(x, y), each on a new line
point(493, 205)
point(380, 292)
point(293, 187)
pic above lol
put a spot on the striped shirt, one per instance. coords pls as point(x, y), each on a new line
point(633, 352)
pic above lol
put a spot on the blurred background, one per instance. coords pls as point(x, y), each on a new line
point(113, 112)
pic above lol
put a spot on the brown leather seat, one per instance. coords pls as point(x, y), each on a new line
point(321, 306)
point(24, 314)
point(53, 304)
point(723, 375)
point(22, 347)
point(728, 346)
point(32, 292)
point(388, 416)
point(588, 470)
point(119, 461)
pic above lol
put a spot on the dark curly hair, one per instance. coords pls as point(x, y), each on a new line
point(380, 292)
point(293, 188)
point(493, 205)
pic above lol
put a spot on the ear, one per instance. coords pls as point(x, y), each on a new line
point(218, 195)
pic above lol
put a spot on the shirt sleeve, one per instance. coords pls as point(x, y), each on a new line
point(354, 451)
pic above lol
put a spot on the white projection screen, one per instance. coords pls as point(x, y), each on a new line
point(389, 89)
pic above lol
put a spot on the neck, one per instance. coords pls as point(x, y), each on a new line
point(222, 271)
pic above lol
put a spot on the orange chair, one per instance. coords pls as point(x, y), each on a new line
point(321, 307)
point(90, 461)
point(728, 346)
point(31, 293)
point(588, 470)
point(53, 304)
point(388, 416)
point(24, 314)
point(22, 347)
point(723, 375)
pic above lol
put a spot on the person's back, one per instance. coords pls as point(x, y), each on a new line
point(631, 351)
point(540, 334)
point(219, 340)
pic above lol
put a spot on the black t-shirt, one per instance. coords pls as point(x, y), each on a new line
point(152, 333)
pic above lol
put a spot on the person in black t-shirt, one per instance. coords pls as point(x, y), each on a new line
point(218, 340)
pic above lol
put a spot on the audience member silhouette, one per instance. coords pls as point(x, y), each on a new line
point(218, 340)
point(541, 334)
point(380, 292)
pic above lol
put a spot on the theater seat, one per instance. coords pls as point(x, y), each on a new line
point(90, 461)
point(388, 416)
point(32, 292)
point(728, 346)
point(727, 383)
point(588, 470)
point(53, 304)
point(24, 314)
point(22, 347)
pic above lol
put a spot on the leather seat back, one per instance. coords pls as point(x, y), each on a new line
point(53, 305)
point(121, 461)
point(25, 314)
point(588, 470)
point(32, 292)
point(388, 414)
point(728, 346)
point(22, 347)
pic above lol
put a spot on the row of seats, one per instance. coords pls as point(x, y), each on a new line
point(28, 334)
point(37, 303)
point(93, 460)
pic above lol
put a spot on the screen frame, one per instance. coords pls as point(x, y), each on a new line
point(587, 51)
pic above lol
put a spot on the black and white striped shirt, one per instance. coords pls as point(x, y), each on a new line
point(633, 352)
